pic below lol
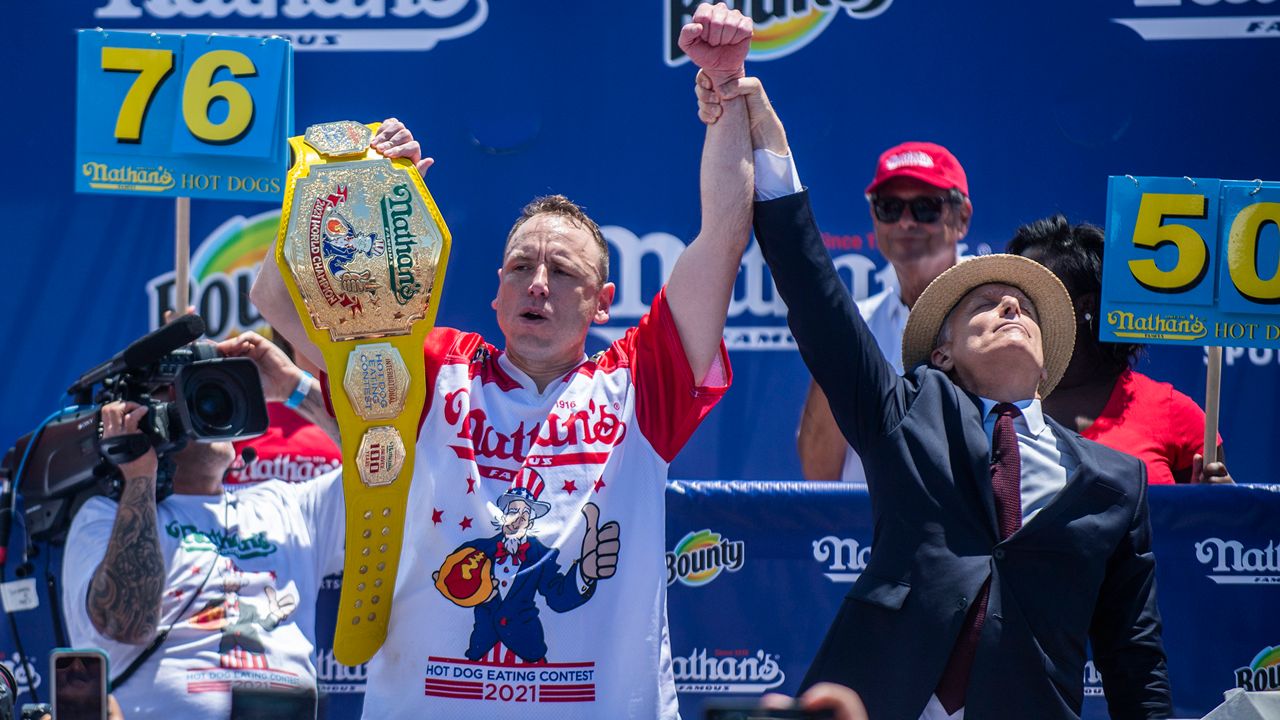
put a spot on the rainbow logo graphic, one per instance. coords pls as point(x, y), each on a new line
point(223, 267)
point(1263, 673)
point(780, 28)
point(701, 556)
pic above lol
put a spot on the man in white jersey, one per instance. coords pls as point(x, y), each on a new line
point(576, 627)
point(208, 596)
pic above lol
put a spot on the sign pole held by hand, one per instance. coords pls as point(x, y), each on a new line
point(1213, 382)
point(182, 254)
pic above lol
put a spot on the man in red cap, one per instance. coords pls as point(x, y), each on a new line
point(920, 210)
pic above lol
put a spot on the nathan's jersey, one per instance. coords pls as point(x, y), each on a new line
point(497, 613)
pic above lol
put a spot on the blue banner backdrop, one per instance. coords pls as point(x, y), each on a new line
point(757, 571)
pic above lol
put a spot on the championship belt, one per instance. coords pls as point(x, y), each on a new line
point(362, 248)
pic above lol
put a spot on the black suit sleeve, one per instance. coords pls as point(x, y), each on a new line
point(1125, 632)
point(835, 343)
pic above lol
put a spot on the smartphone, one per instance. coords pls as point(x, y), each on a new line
point(749, 710)
point(79, 683)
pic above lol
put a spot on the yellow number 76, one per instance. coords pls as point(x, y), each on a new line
point(198, 92)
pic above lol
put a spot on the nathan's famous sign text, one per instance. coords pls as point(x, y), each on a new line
point(1191, 262)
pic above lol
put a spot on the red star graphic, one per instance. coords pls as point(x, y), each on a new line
point(195, 570)
point(569, 487)
point(599, 484)
point(471, 486)
point(177, 593)
point(272, 573)
point(466, 523)
point(437, 516)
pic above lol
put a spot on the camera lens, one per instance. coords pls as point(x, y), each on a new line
point(213, 405)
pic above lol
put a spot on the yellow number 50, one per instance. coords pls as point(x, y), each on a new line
point(1151, 232)
point(198, 92)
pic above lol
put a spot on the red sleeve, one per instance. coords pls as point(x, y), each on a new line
point(441, 347)
point(1186, 420)
point(669, 404)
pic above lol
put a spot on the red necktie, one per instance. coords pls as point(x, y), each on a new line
point(1006, 487)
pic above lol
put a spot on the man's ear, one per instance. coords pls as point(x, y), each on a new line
point(941, 357)
point(494, 302)
point(964, 213)
point(604, 299)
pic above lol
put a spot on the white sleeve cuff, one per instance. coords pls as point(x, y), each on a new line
point(776, 175)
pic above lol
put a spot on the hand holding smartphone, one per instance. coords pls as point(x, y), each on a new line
point(79, 684)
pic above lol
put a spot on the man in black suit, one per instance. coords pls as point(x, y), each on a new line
point(1003, 541)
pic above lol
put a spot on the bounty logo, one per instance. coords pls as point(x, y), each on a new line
point(727, 671)
point(222, 270)
point(781, 27)
point(1261, 674)
point(1201, 20)
point(1231, 563)
point(845, 558)
point(701, 556)
point(320, 25)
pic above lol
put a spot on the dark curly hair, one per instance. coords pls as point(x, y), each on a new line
point(1074, 254)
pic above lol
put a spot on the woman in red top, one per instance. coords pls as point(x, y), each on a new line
point(1100, 395)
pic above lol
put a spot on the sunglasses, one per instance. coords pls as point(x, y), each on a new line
point(925, 209)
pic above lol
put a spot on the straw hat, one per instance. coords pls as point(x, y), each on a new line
point(1053, 305)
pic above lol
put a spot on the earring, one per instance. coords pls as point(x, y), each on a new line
point(1088, 317)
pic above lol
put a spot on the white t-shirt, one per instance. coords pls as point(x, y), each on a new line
point(264, 551)
point(485, 629)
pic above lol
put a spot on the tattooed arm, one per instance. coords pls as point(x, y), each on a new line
point(124, 596)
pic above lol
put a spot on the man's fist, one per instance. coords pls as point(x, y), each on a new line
point(717, 40)
point(600, 546)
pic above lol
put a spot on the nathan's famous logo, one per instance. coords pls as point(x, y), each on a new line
point(701, 556)
point(127, 177)
point(1263, 673)
point(1156, 326)
point(334, 677)
point(222, 269)
point(781, 26)
point(1200, 19)
point(845, 558)
point(592, 424)
point(757, 315)
point(727, 671)
point(25, 671)
point(256, 545)
point(370, 25)
point(397, 211)
point(1231, 563)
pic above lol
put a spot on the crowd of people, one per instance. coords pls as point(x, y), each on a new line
point(1006, 450)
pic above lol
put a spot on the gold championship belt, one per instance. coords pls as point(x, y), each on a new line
point(362, 248)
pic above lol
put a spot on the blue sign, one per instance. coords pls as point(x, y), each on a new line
point(183, 115)
point(1192, 262)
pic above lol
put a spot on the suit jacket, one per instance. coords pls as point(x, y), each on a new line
point(1081, 569)
point(514, 619)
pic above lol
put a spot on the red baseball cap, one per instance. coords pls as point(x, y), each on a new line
point(924, 161)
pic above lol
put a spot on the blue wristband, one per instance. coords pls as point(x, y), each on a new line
point(300, 392)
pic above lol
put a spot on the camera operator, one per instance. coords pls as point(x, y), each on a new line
point(205, 601)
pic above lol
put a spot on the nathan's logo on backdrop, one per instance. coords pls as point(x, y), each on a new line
point(1092, 680)
point(370, 25)
point(701, 556)
point(1201, 19)
point(782, 26)
point(1156, 326)
point(27, 681)
point(727, 671)
point(845, 558)
point(1231, 563)
point(1262, 674)
point(127, 177)
point(334, 677)
point(757, 316)
point(222, 270)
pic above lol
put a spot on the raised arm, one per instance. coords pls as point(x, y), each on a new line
point(123, 601)
point(280, 377)
point(701, 284)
